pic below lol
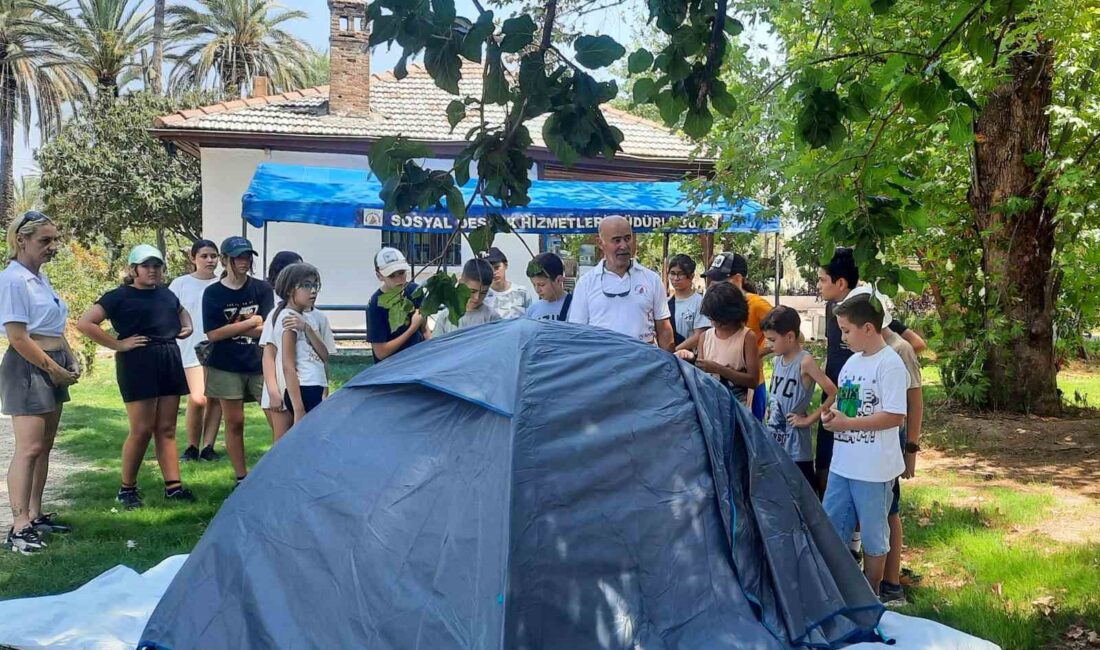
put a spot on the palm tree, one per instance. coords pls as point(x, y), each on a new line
point(34, 75)
point(156, 69)
point(107, 39)
point(236, 40)
point(315, 69)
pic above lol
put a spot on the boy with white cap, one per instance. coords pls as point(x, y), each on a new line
point(393, 271)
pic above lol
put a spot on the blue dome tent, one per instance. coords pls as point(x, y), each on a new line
point(494, 489)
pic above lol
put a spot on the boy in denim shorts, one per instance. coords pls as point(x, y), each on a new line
point(869, 409)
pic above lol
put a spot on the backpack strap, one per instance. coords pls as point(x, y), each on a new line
point(676, 338)
point(564, 315)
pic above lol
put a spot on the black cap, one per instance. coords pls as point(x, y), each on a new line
point(237, 246)
point(547, 264)
point(727, 265)
point(495, 256)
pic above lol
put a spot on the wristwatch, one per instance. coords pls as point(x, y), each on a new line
point(911, 447)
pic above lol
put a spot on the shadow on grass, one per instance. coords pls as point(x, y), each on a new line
point(984, 583)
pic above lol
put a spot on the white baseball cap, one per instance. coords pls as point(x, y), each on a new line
point(389, 261)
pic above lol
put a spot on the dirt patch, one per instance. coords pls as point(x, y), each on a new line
point(61, 466)
point(1063, 452)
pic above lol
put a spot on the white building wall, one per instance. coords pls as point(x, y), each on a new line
point(345, 256)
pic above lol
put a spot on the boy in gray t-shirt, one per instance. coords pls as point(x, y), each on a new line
point(792, 389)
point(476, 275)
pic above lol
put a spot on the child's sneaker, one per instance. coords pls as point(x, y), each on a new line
point(208, 454)
point(178, 493)
point(25, 541)
point(46, 524)
point(891, 595)
point(190, 454)
point(130, 497)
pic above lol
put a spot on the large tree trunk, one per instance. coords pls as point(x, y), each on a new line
point(157, 64)
point(7, 149)
point(1013, 139)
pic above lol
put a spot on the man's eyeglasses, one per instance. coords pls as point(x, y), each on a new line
point(608, 294)
point(310, 286)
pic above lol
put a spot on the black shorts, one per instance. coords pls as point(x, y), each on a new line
point(311, 397)
point(155, 370)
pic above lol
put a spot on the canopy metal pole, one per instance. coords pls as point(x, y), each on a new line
point(267, 226)
point(664, 259)
point(778, 269)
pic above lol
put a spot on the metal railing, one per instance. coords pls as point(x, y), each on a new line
point(348, 333)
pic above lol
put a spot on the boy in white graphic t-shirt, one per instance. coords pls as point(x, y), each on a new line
point(870, 406)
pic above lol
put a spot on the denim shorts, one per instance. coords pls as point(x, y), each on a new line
point(849, 503)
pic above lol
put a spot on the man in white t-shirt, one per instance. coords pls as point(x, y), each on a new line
point(620, 294)
point(870, 406)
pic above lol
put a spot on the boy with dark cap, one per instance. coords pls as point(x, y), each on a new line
point(507, 299)
point(547, 274)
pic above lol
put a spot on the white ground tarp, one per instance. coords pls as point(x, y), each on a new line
point(110, 612)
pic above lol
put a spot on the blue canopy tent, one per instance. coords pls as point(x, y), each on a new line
point(349, 198)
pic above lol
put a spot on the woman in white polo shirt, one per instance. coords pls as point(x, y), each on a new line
point(35, 374)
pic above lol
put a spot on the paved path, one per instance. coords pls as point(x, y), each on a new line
point(61, 466)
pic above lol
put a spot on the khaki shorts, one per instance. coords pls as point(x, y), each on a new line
point(222, 384)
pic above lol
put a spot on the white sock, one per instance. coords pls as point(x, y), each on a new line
point(856, 542)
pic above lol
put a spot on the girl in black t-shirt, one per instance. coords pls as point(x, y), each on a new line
point(148, 318)
point(233, 313)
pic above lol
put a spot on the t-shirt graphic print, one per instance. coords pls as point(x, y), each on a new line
point(870, 385)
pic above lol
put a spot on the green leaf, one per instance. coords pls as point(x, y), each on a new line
point(456, 203)
point(671, 106)
point(495, 89)
point(456, 112)
point(980, 44)
point(639, 62)
point(398, 306)
point(534, 268)
point(910, 280)
point(597, 51)
point(519, 32)
point(819, 122)
point(960, 126)
point(444, 11)
point(882, 6)
point(733, 27)
point(443, 64)
point(557, 143)
point(643, 90)
point(474, 39)
point(481, 239)
point(698, 122)
point(862, 99)
point(400, 69)
point(721, 99)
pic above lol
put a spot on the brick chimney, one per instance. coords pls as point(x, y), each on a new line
point(349, 58)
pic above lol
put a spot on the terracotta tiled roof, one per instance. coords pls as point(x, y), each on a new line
point(413, 107)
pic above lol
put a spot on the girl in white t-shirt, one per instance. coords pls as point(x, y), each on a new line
point(297, 341)
point(203, 417)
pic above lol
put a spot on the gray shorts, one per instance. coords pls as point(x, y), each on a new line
point(27, 390)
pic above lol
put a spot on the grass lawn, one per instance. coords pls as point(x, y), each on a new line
point(987, 560)
point(93, 428)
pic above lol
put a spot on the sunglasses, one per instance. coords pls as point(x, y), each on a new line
point(608, 294)
point(29, 217)
point(310, 286)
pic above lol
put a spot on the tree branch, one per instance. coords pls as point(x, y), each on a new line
point(548, 24)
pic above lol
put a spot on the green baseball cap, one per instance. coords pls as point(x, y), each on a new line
point(144, 252)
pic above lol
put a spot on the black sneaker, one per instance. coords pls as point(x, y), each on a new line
point(46, 524)
point(891, 595)
point(130, 497)
point(178, 493)
point(209, 454)
point(25, 541)
point(189, 454)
